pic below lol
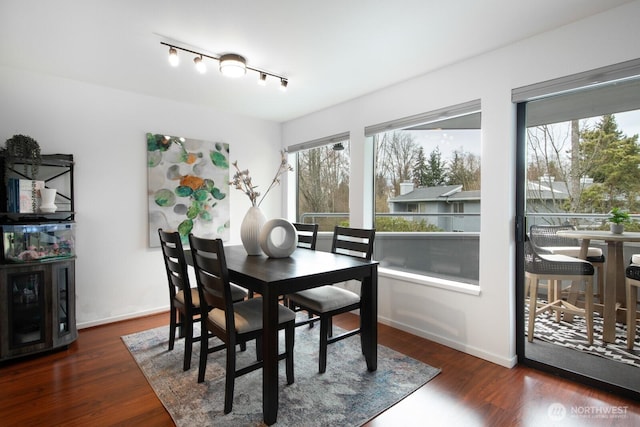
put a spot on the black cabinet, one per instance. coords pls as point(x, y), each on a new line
point(37, 263)
point(37, 306)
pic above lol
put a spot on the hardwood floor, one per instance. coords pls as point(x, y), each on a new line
point(96, 382)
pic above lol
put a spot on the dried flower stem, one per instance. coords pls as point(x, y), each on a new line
point(242, 180)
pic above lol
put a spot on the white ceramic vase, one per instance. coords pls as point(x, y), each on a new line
point(250, 228)
point(288, 242)
point(47, 200)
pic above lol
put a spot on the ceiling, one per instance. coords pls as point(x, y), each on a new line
point(331, 50)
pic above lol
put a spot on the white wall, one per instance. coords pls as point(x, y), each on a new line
point(117, 275)
point(482, 325)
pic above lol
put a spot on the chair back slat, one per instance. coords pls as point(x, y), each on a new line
point(175, 264)
point(356, 242)
point(307, 235)
point(212, 277)
point(547, 235)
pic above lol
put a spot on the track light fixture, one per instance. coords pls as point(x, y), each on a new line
point(230, 65)
point(173, 57)
point(200, 66)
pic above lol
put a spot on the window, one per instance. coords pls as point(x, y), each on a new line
point(322, 171)
point(427, 193)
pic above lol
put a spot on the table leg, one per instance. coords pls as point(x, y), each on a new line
point(613, 287)
point(270, 357)
point(369, 319)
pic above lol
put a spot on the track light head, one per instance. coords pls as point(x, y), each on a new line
point(173, 56)
point(232, 65)
point(200, 65)
point(262, 79)
point(283, 84)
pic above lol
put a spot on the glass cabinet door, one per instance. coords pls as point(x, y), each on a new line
point(26, 308)
point(63, 301)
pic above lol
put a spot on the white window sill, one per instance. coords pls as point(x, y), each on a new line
point(464, 288)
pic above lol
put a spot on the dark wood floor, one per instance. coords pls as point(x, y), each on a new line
point(96, 382)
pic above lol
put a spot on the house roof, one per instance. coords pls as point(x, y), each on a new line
point(423, 194)
point(557, 190)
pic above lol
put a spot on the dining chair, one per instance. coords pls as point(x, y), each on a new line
point(307, 235)
point(554, 269)
point(184, 301)
point(233, 323)
point(632, 283)
point(326, 301)
point(545, 238)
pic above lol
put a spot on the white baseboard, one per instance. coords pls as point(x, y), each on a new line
point(128, 316)
point(460, 346)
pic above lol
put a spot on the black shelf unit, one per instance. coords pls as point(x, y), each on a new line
point(37, 297)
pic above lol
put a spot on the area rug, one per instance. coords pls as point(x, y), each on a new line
point(345, 395)
point(574, 336)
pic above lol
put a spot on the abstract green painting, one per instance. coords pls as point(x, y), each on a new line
point(188, 187)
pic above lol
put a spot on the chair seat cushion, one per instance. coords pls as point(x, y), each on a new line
point(633, 271)
point(195, 298)
point(325, 298)
point(237, 294)
point(573, 251)
point(248, 315)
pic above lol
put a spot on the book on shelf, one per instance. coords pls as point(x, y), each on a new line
point(20, 195)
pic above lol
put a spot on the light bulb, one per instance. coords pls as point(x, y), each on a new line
point(173, 57)
point(200, 65)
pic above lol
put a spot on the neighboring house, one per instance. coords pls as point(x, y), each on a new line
point(446, 206)
point(452, 209)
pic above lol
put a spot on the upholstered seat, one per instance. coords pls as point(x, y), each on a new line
point(248, 315)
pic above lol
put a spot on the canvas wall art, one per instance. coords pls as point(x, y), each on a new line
point(188, 187)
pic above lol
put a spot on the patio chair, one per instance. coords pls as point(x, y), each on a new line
point(546, 240)
point(555, 269)
point(632, 283)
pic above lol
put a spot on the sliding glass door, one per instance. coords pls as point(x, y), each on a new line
point(578, 158)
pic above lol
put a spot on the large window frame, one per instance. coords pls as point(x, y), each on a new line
point(330, 161)
point(442, 269)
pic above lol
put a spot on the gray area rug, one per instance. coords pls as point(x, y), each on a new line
point(345, 395)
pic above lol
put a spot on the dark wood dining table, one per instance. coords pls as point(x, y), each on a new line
point(304, 269)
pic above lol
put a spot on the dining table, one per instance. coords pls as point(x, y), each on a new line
point(614, 283)
point(303, 269)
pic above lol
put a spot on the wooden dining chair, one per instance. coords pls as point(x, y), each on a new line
point(327, 301)
point(554, 269)
point(632, 283)
point(233, 323)
point(307, 235)
point(184, 301)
